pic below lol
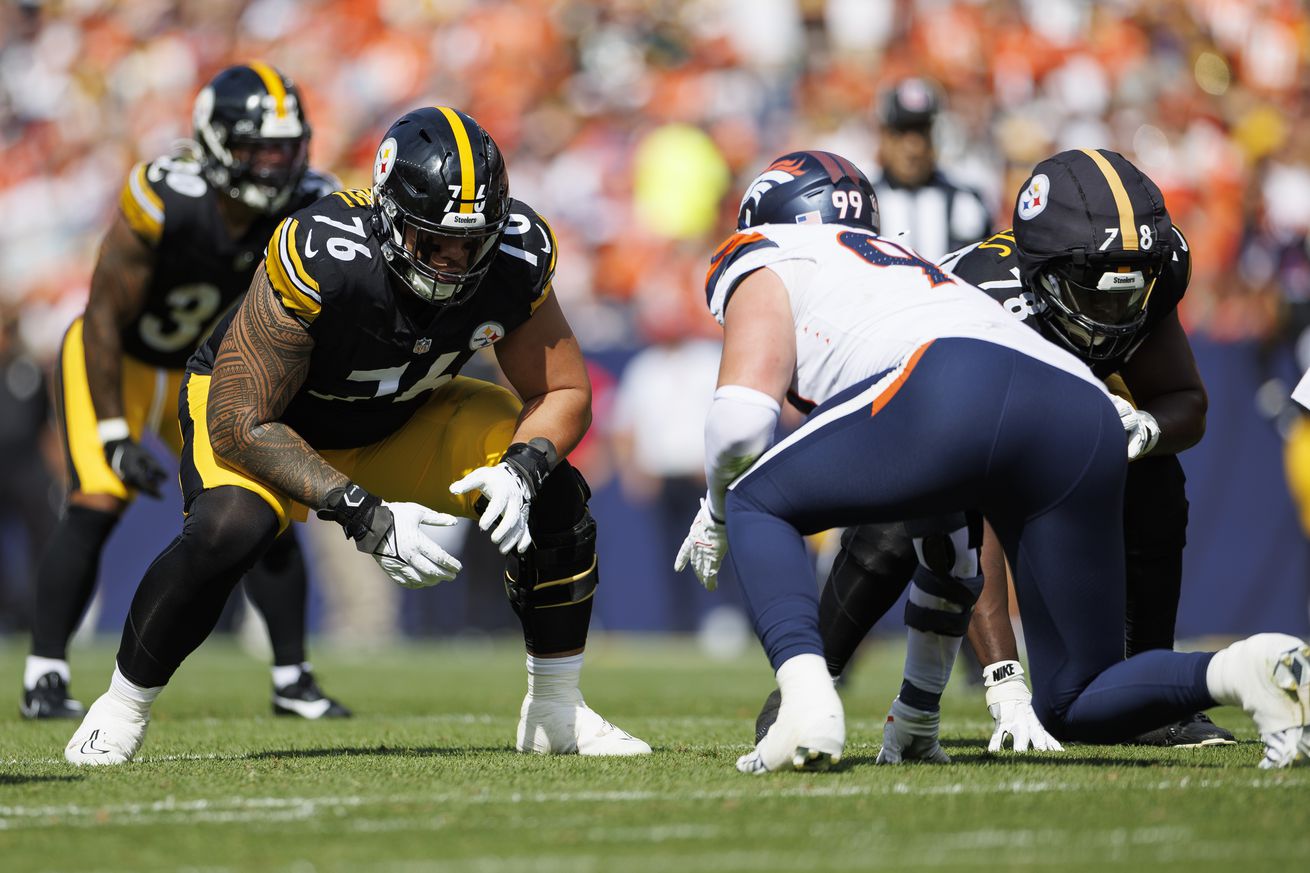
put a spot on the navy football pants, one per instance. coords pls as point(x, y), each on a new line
point(970, 425)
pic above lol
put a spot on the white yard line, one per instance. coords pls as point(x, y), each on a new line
point(254, 809)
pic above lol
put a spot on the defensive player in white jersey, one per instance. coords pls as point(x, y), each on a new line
point(931, 401)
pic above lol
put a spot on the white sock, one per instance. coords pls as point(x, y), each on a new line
point(554, 678)
point(288, 674)
point(37, 667)
point(131, 695)
point(804, 677)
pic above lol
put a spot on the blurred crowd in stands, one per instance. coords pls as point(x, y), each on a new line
point(633, 124)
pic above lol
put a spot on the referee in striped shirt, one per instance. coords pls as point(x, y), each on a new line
point(915, 197)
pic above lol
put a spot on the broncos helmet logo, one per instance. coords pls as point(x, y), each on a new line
point(779, 172)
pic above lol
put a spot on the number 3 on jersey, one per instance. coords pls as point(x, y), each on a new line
point(190, 310)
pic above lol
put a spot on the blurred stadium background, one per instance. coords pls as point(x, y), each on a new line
point(632, 126)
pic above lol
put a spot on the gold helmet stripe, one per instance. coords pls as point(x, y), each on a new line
point(467, 175)
point(273, 82)
point(1127, 227)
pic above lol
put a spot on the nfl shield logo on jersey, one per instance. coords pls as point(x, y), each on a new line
point(421, 345)
point(485, 334)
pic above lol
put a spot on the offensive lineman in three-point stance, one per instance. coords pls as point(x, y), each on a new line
point(334, 386)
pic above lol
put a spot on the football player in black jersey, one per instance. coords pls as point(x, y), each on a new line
point(182, 248)
point(335, 386)
point(1083, 270)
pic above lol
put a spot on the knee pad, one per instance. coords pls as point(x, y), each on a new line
point(228, 527)
point(881, 550)
point(941, 604)
point(949, 547)
point(560, 566)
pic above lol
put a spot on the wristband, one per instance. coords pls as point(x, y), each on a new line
point(112, 429)
point(533, 461)
point(1001, 671)
point(353, 508)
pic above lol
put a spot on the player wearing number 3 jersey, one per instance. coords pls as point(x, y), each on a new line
point(186, 239)
point(335, 386)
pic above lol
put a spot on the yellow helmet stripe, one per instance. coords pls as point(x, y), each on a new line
point(1127, 227)
point(273, 82)
point(467, 177)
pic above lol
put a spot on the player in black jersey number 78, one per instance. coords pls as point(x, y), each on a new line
point(334, 387)
point(181, 250)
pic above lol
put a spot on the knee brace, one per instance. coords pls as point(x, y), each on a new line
point(948, 580)
point(551, 585)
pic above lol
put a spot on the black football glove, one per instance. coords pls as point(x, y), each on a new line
point(135, 466)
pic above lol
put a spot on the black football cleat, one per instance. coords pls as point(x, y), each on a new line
point(305, 699)
point(49, 699)
point(768, 715)
point(1191, 733)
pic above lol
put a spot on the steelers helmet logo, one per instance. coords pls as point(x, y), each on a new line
point(485, 334)
point(385, 160)
point(1033, 199)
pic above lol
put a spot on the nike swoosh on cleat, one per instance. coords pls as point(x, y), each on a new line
point(88, 748)
point(309, 251)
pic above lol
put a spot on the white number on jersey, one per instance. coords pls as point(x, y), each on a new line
point(190, 309)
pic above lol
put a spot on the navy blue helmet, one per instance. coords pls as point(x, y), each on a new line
point(810, 187)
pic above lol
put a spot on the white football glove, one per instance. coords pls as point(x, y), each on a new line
point(910, 734)
point(704, 547)
point(1010, 703)
point(392, 534)
point(408, 555)
point(1142, 428)
point(508, 501)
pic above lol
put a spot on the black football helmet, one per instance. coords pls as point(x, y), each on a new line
point(805, 187)
point(1093, 237)
point(253, 136)
point(441, 202)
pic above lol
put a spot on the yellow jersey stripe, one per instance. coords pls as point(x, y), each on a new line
point(551, 241)
point(545, 294)
point(345, 198)
point(273, 82)
point(296, 299)
point(467, 177)
point(1127, 227)
point(142, 207)
point(289, 242)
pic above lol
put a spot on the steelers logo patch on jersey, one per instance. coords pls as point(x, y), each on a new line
point(384, 161)
point(1033, 199)
point(486, 334)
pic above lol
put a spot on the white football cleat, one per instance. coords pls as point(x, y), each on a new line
point(111, 733)
point(806, 736)
point(910, 734)
point(568, 727)
point(1270, 676)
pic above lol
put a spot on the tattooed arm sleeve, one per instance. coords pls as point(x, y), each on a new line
point(118, 291)
point(261, 365)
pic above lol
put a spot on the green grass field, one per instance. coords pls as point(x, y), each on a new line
point(425, 778)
